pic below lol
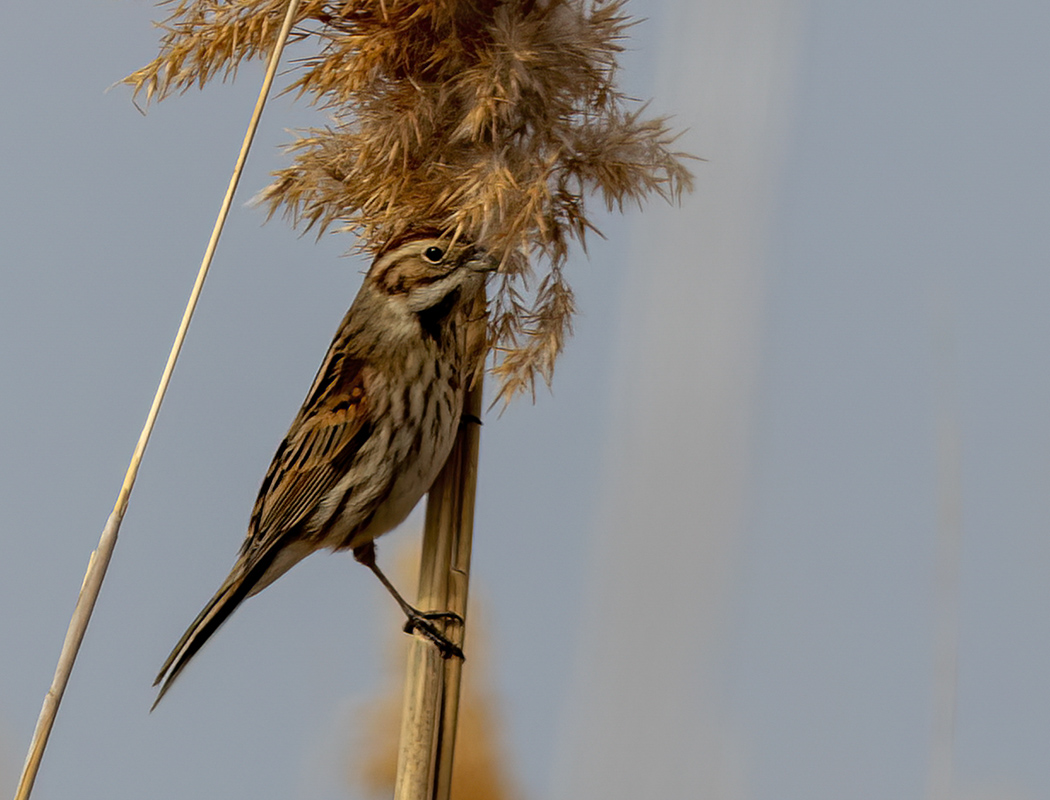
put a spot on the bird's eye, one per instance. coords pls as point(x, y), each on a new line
point(434, 254)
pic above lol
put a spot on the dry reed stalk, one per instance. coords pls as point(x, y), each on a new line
point(98, 563)
point(432, 683)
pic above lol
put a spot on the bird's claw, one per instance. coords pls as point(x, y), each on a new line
point(420, 621)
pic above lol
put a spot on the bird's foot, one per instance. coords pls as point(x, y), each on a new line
point(421, 621)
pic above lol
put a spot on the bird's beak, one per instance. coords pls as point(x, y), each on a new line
point(482, 261)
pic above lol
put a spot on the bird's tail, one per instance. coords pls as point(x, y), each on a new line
point(240, 583)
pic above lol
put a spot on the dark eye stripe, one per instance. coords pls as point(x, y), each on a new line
point(395, 283)
point(426, 280)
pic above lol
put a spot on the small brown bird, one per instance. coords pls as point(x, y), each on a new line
point(374, 431)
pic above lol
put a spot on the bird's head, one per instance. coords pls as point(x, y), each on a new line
point(430, 272)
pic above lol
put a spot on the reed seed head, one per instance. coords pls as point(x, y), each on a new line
point(493, 120)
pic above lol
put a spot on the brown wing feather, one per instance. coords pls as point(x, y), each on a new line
point(317, 451)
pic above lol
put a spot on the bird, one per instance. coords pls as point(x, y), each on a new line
point(376, 427)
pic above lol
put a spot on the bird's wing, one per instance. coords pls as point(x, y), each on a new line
point(317, 451)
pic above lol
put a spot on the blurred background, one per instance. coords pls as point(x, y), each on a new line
point(778, 532)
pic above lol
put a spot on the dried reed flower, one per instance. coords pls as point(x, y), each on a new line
point(491, 119)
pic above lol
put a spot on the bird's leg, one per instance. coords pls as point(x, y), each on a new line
point(466, 418)
point(417, 620)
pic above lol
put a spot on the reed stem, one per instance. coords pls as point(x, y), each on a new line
point(431, 705)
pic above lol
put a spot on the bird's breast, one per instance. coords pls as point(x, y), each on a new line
point(424, 448)
point(424, 414)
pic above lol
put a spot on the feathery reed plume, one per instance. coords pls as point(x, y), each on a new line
point(490, 119)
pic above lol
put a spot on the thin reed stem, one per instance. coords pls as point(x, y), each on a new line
point(100, 558)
